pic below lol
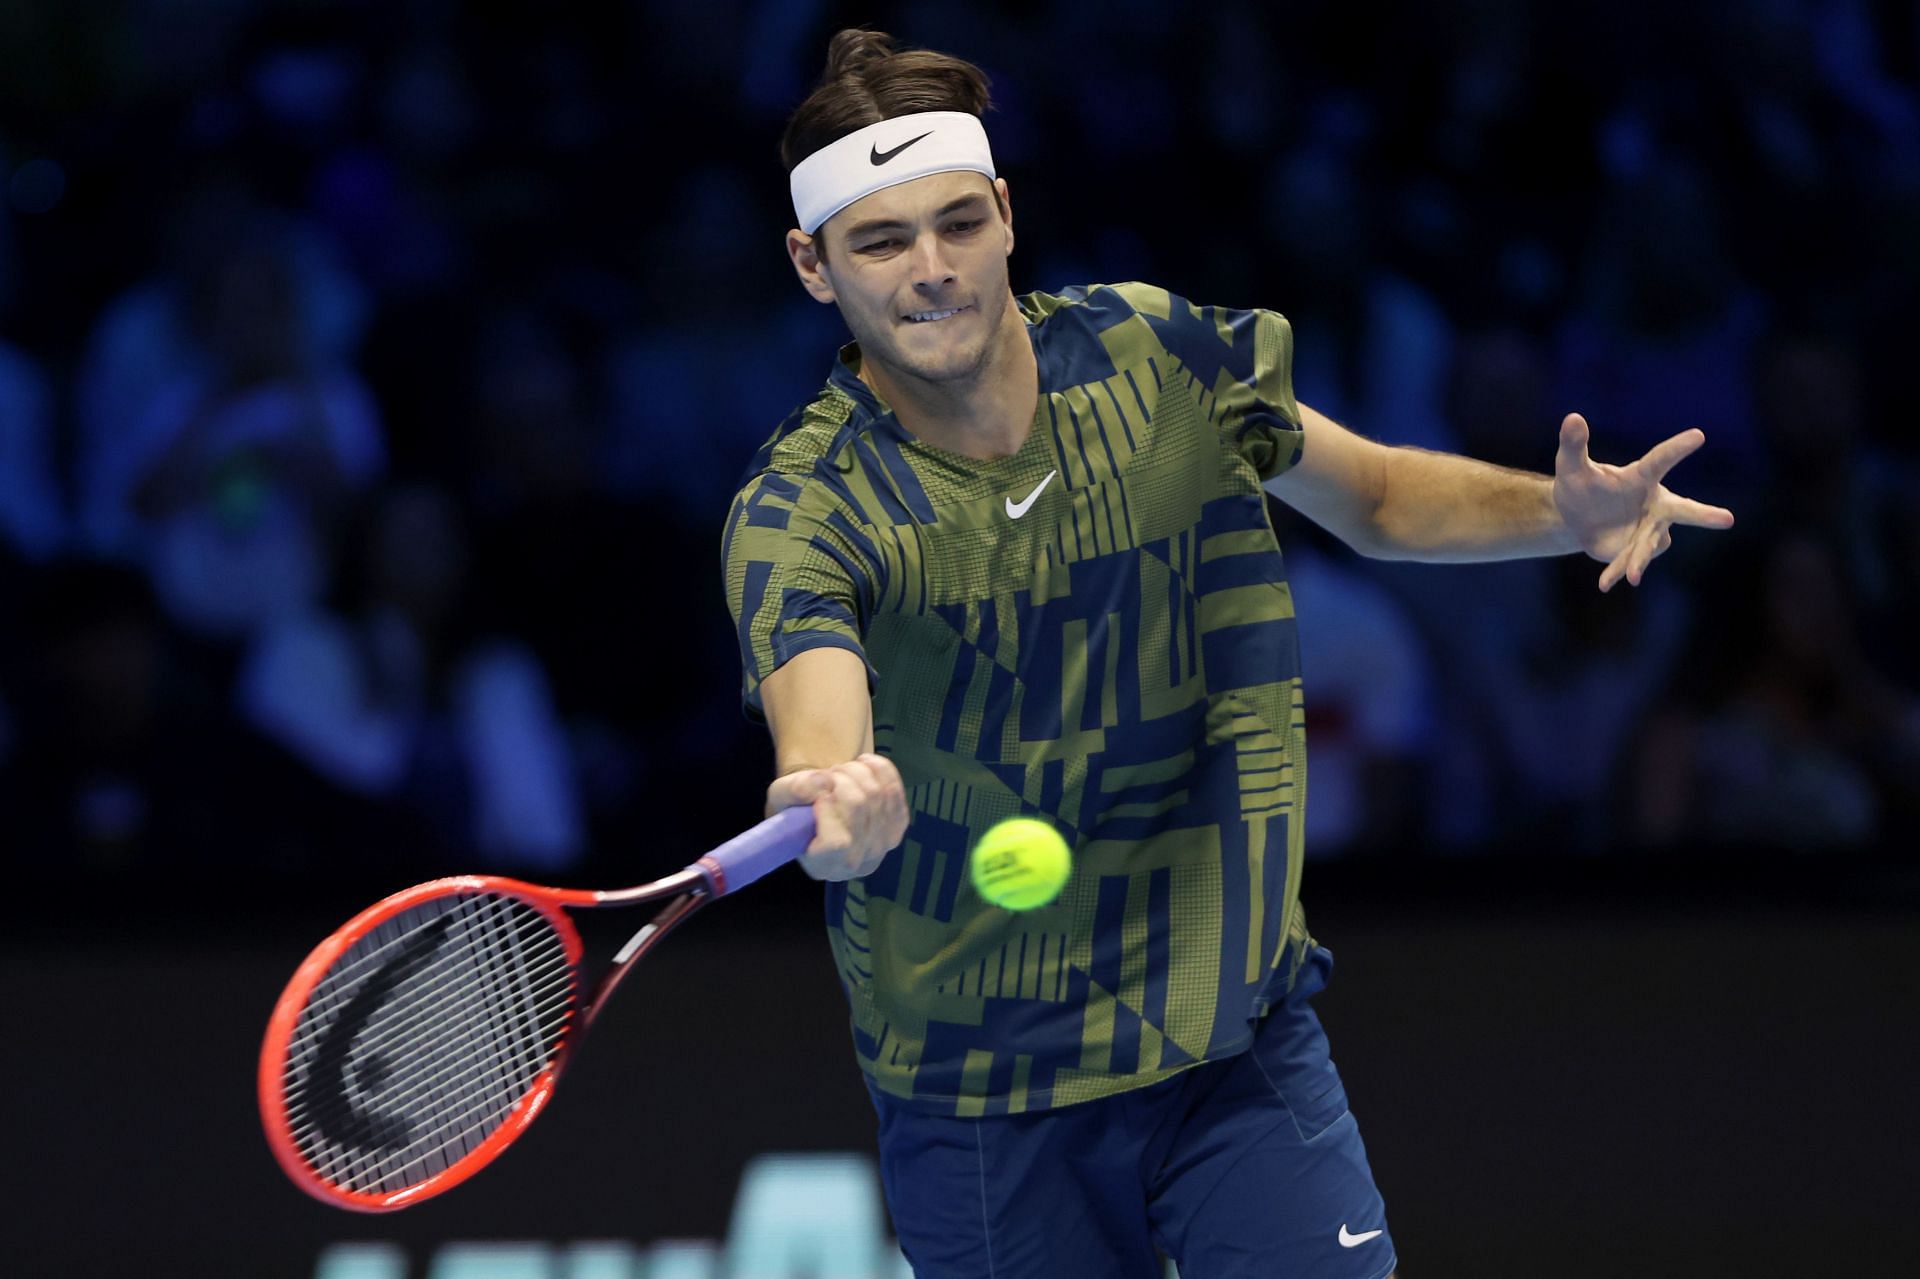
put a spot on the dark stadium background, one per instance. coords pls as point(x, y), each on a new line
point(1623, 888)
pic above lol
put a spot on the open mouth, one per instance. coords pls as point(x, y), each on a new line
point(930, 317)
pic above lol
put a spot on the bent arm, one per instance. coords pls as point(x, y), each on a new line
point(1410, 504)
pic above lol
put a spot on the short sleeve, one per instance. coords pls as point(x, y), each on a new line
point(800, 574)
point(1261, 416)
point(1243, 360)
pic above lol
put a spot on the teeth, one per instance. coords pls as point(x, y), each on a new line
point(921, 317)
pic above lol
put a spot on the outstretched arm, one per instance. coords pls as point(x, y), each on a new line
point(1411, 504)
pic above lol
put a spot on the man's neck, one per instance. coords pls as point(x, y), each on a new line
point(985, 416)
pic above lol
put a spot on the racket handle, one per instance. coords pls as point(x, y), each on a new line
point(753, 853)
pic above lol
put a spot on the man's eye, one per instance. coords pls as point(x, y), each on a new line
point(876, 246)
point(963, 228)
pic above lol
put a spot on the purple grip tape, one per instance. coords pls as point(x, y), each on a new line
point(753, 853)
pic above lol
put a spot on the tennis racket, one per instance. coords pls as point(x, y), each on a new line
point(419, 1040)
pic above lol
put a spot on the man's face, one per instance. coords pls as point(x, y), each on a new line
point(919, 272)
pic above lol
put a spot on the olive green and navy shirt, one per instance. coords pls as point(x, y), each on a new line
point(1096, 630)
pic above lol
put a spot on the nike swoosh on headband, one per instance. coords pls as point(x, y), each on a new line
point(874, 157)
point(881, 157)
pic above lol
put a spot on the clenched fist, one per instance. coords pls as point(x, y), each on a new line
point(859, 810)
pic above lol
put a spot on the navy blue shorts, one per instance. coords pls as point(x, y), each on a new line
point(1248, 1166)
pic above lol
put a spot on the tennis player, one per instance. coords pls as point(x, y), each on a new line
point(1014, 558)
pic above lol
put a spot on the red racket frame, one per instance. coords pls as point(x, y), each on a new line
point(690, 890)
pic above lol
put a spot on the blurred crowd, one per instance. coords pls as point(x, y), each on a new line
point(374, 376)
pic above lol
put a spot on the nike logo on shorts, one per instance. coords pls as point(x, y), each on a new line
point(1354, 1241)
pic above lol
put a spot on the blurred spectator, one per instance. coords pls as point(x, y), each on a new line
point(223, 429)
point(671, 442)
point(33, 524)
point(129, 760)
point(586, 574)
point(1371, 345)
point(1319, 225)
point(1370, 731)
point(33, 519)
point(1829, 480)
point(245, 298)
point(1546, 680)
point(281, 253)
point(702, 383)
point(390, 202)
point(1784, 732)
point(1407, 354)
point(1664, 335)
point(394, 699)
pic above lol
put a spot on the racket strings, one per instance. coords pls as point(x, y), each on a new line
point(433, 1083)
point(466, 1095)
point(380, 945)
point(426, 1077)
point(424, 1037)
point(449, 994)
point(460, 1128)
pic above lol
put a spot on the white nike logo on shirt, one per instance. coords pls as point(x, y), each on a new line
point(1016, 509)
point(1354, 1241)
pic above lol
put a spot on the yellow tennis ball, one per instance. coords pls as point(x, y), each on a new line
point(1021, 864)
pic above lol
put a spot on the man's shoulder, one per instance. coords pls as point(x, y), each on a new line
point(817, 432)
point(1140, 319)
point(1100, 305)
point(1095, 332)
point(828, 464)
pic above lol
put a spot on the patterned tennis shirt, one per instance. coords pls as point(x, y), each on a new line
point(1096, 630)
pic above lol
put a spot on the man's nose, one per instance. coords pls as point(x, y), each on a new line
point(931, 270)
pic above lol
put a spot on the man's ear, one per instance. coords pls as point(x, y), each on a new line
point(1006, 210)
point(808, 266)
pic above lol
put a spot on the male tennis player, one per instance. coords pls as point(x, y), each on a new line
point(1014, 558)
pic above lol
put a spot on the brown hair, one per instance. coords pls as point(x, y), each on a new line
point(867, 80)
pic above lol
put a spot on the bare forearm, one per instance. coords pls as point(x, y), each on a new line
point(1409, 504)
point(1441, 508)
point(822, 724)
point(818, 710)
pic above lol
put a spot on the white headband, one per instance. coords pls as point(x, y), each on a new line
point(885, 155)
